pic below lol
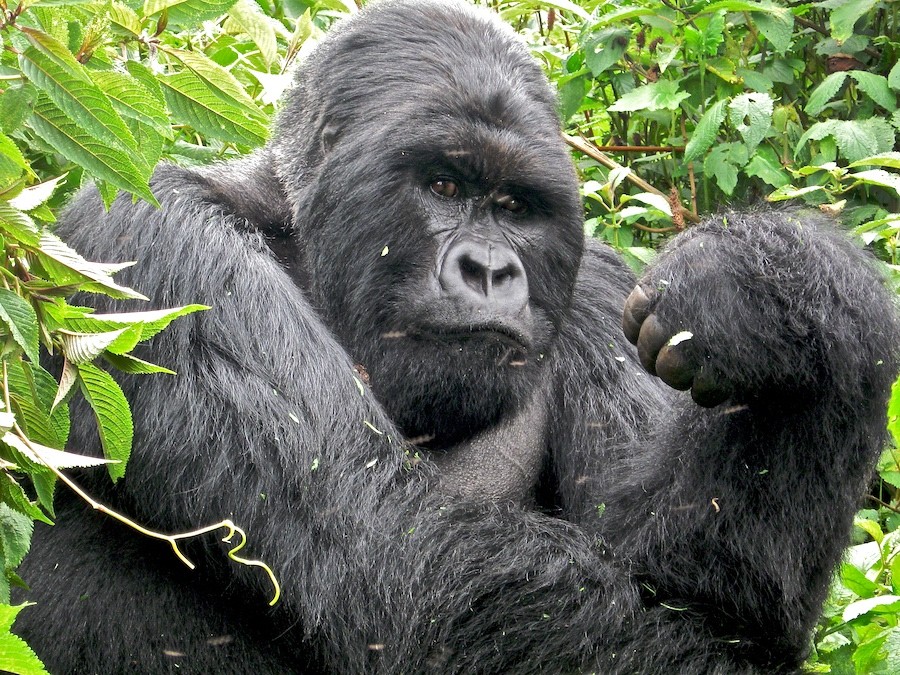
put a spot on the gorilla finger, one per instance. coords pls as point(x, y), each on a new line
point(653, 336)
point(637, 309)
point(675, 367)
point(707, 390)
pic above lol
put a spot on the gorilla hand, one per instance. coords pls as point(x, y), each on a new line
point(754, 308)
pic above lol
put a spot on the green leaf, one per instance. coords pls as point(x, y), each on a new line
point(134, 366)
point(51, 67)
point(193, 103)
point(706, 131)
point(777, 27)
point(879, 177)
point(79, 348)
point(51, 457)
point(124, 19)
point(151, 322)
point(880, 604)
point(32, 197)
point(15, 535)
point(856, 581)
point(12, 164)
point(257, 25)
point(112, 413)
point(15, 655)
point(663, 95)
point(722, 163)
point(18, 225)
point(15, 106)
point(856, 139)
point(706, 41)
point(107, 163)
point(20, 319)
point(876, 87)
point(844, 16)
point(14, 496)
point(188, 12)
point(604, 48)
point(751, 115)
point(33, 390)
point(890, 160)
point(894, 77)
point(766, 166)
point(67, 265)
point(822, 94)
point(132, 100)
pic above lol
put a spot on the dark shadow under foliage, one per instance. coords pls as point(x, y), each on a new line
point(416, 223)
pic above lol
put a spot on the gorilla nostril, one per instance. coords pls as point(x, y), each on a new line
point(505, 276)
point(474, 275)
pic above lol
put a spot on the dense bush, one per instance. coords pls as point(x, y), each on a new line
point(673, 108)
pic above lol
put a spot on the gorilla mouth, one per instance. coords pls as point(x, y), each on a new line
point(499, 333)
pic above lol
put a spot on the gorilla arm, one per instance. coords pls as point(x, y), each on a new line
point(737, 515)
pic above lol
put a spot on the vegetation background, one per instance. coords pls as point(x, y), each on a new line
point(672, 107)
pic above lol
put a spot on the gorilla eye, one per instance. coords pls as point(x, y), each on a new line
point(511, 204)
point(444, 187)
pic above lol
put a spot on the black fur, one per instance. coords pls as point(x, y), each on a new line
point(659, 537)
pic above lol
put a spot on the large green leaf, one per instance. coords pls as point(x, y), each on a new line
point(105, 162)
point(132, 100)
point(15, 655)
point(822, 94)
point(705, 133)
point(777, 25)
point(50, 66)
point(112, 413)
point(766, 166)
point(188, 12)
point(856, 139)
point(21, 321)
point(605, 47)
point(751, 115)
point(845, 14)
point(151, 322)
point(192, 102)
point(876, 87)
point(663, 95)
point(258, 26)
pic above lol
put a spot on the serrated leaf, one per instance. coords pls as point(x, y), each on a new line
point(856, 139)
point(151, 322)
point(706, 40)
point(124, 18)
point(845, 16)
point(192, 103)
point(257, 25)
point(15, 106)
point(792, 192)
point(751, 115)
point(135, 366)
point(718, 164)
point(706, 131)
point(12, 162)
point(79, 348)
point(879, 604)
point(15, 535)
point(57, 254)
point(776, 26)
point(106, 163)
point(879, 177)
point(20, 319)
point(51, 457)
point(113, 415)
point(66, 82)
point(68, 378)
point(18, 225)
point(188, 12)
point(32, 197)
point(891, 160)
point(32, 390)
point(876, 87)
point(857, 582)
point(132, 100)
point(14, 496)
point(658, 202)
point(894, 77)
point(822, 94)
point(15, 655)
point(766, 166)
point(604, 48)
point(663, 95)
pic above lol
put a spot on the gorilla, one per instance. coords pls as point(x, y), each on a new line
point(414, 391)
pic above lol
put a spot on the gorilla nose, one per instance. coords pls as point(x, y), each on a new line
point(485, 275)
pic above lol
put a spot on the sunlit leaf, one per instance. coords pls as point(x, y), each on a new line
point(113, 415)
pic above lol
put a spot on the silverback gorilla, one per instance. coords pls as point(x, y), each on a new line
point(512, 491)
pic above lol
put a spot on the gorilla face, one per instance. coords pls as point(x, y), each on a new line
point(442, 231)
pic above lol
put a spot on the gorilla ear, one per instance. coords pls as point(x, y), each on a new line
point(330, 134)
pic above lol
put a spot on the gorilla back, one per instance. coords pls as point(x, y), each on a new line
point(415, 222)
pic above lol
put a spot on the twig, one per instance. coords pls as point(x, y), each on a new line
point(591, 151)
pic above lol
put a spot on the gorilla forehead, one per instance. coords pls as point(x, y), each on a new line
point(388, 63)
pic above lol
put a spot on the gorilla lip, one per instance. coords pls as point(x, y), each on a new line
point(502, 334)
